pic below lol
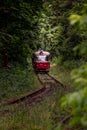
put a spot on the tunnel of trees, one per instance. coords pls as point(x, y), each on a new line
point(26, 26)
point(57, 26)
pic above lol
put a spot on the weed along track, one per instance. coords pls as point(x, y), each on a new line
point(49, 81)
point(49, 84)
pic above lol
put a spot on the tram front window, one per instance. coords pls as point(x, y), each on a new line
point(42, 58)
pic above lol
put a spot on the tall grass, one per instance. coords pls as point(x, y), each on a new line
point(43, 115)
point(40, 116)
point(16, 81)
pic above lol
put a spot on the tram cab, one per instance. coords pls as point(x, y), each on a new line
point(41, 61)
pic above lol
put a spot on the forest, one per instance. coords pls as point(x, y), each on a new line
point(59, 27)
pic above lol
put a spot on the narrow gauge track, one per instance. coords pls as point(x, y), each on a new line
point(48, 82)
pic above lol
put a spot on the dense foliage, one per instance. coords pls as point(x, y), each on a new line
point(18, 20)
point(55, 25)
point(30, 25)
point(78, 99)
point(55, 31)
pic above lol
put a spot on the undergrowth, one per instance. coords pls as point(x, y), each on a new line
point(40, 116)
point(44, 115)
point(15, 81)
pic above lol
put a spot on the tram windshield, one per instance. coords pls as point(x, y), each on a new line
point(41, 58)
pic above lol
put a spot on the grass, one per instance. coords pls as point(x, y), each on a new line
point(16, 81)
point(62, 71)
point(42, 115)
point(62, 74)
point(37, 117)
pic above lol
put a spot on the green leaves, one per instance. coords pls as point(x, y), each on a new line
point(48, 33)
point(78, 99)
point(75, 18)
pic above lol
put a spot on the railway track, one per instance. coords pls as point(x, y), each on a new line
point(48, 82)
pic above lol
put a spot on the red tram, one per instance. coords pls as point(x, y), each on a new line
point(41, 61)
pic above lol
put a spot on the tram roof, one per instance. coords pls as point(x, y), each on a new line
point(41, 51)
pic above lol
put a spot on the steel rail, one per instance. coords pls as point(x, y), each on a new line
point(56, 80)
point(34, 95)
